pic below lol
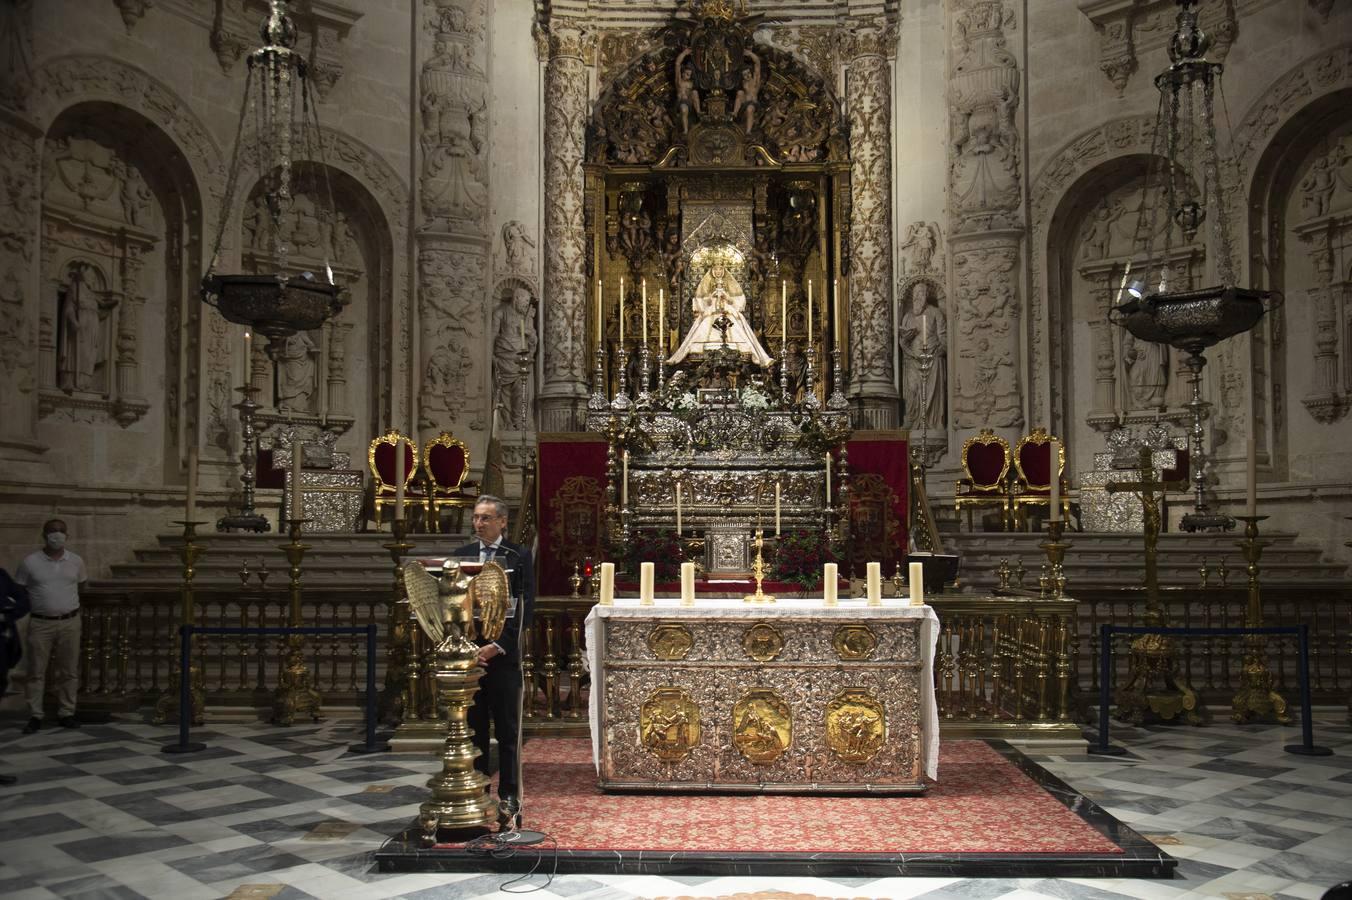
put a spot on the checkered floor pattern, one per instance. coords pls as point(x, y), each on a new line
point(288, 813)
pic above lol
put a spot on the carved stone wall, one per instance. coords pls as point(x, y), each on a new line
point(565, 284)
point(986, 222)
point(869, 104)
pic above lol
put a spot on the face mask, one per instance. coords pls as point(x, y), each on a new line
point(56, 540)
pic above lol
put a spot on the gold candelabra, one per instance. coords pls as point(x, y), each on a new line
point(166, 707)
point(1256, 696)
point(758, 569)
point(1055, 549)
point(295, 694)
point(400, 628)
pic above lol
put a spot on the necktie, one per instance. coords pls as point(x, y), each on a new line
point(488, 552)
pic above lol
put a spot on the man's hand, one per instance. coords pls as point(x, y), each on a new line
point(487, 652)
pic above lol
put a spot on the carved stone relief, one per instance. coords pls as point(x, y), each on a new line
point(450, 275)
point(453, 101)
point(1126, 28)
point(322, 29)
point(987, 391)
point(18, 230)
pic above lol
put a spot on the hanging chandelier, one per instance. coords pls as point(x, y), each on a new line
point(278, 124)
point(1193, 182)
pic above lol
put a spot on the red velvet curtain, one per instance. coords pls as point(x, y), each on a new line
point(572, 474)
point(879, 534)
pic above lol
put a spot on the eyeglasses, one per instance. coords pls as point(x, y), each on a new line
point(477, 517)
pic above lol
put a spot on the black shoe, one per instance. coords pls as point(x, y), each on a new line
point(68, 722)
point(509, 812)
point(8, 780)
point(33, 725)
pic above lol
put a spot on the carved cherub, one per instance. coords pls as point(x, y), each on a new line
point(687, 97)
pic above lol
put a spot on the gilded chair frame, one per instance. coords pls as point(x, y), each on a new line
point(445, 495)
point(1021, 496)
point(969, 492)
point(412, 496)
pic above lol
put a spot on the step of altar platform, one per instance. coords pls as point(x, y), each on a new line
point(350, 560)
point(1106, 561)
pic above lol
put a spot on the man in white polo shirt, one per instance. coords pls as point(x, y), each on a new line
point(53, 576)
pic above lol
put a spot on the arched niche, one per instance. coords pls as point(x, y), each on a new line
point(121, 210)
point(1098, 229)
point(1301, 220)
point(319, 381)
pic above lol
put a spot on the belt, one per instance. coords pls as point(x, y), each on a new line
point(70, 615)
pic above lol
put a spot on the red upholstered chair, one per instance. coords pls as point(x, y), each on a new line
point(446, 462)
point(985, 459)
point(1181, 471)
point(383, 464)
point(1033, 484)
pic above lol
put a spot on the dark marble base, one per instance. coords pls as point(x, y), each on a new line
point(1139, 858)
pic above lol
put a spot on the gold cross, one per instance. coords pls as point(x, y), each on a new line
point(1145, 488)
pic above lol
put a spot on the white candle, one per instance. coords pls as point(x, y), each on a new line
point(835, 305)
point(191, 513)
point(1055, 457)
point(297, 452)
point(399, 479)
point(830, 582)
point(661, 318)
point(622, 311)
point(248, 356)
point(678, 508)
point(647, 572)
point(783, 310)
point(875, 584)
point(917, 573)
point(607, 584)
point(624, 479)
point(645, 312)
point(600, 337)
point(687, 584)
point(1251, 476)
point(924, 332)
point(778, 489)
point(828, 477)
point(809, 310)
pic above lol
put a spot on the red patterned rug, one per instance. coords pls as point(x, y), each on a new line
point(982, 804)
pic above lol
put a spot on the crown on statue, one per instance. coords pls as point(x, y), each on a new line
point(724, 254)
point(716, 9)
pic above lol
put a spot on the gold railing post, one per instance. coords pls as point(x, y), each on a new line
point(1256, 696)
point(166, 707)
point(295, 692)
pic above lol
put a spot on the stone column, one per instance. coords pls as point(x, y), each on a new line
point(986, 219)
point(452, 239)
point(19, 307)
point(873, 391)
point(337, 369)
point(564, 392)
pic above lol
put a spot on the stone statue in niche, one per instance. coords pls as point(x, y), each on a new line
point(79, 333)
point(296, 370)
point(256, 218)
point(513, 333)
point(687, 97)
point(1098, 235)
point(923, 329)
point(1318, 184)
point(922, 239)
point(719, 296)
point(518, 249)
point(1147, 368)
point(448, 368)
point(748, 95)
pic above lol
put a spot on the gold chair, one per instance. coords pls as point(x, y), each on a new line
point(446, 462)
point(1033, 483)
point(380, 456)
point(985, 459)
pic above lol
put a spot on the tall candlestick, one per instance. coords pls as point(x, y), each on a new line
point(621, 311)
point(624, 480)
point(191, 513)
point(645, 312)
point(607, 584)
point(678, 508)
point(830, 583)
point(687, 584)
point(1056, 480)
point(647, 574)
point(778, 489)
point(297, 452)
point(809, 310)
point(917, 573)
point(399, 479)
point(1251, 475)
point(783, 310)
point(661, 319)
point(874, 574)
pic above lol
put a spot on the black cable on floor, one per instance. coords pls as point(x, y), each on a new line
point(499, 847)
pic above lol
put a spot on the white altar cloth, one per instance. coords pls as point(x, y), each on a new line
point(783, 608)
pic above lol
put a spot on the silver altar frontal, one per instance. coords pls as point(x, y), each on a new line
point(797, 697)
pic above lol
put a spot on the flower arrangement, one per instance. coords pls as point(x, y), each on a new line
point(685, 402)
point(660, 546)
point(800, 556)
point(754, 400)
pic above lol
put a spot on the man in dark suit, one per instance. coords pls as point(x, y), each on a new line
point(499, 697)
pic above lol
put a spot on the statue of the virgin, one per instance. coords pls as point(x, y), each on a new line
point(717, 295)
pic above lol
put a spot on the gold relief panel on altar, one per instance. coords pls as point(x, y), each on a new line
point(762, 726)
point(670, 641)
point(669, 726)
point(856, 726)
point(763, 642)
point(854, 642)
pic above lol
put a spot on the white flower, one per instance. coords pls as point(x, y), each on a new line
point(686, 401)
point(754, 399)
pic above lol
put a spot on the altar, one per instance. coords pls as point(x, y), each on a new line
point(794, 697)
